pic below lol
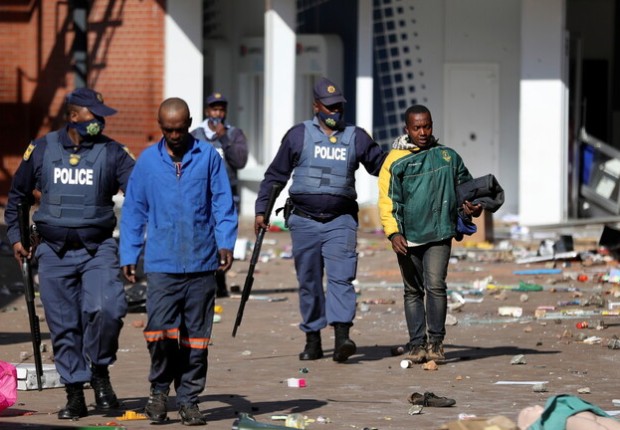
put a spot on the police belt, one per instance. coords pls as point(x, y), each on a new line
point(303, 214)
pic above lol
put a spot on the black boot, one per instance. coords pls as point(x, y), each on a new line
point(344, 347)
point(105, 398)
point(76, 405)
point(313, 350)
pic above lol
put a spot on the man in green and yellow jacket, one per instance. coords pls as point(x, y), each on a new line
point(418, 209)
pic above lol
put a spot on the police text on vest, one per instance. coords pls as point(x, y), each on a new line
point(73, 176)
point(330, 153)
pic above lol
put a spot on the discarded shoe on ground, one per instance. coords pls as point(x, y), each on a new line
point(429, 399)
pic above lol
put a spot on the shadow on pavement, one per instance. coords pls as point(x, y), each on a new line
point(238, 404)
point(476, 353)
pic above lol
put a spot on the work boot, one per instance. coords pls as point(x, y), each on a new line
point(191, 416)
point(417, 354)
point(313, 349)
point(435, 352)
point(76, 404)
point(343, 347)
point(105, 397)
point(156, 408)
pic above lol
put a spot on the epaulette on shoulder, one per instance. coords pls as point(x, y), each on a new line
point(29, 150)
point(133, 157)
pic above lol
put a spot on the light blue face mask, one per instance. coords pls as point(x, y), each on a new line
point(89, 129)
point(332, 120)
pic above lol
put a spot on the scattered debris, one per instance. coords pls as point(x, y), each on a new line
point(540, 387)
point(451, 320)
point(510, 311)
point(415, 409)
point(430, 365)
point(296, 382)
point(406, 364)
point(131, 415)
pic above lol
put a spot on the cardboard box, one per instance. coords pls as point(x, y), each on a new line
point(27, 377)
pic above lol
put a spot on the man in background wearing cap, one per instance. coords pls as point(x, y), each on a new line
point(323, 154)
point(231, 144)
point(77, 170)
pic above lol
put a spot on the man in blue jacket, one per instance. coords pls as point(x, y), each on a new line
point(179, 195)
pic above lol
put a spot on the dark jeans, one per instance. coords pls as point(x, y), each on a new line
point(424, 270)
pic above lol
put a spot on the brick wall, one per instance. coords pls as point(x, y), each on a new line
point(126, 64)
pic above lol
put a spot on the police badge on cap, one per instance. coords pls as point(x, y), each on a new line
point(328, 93)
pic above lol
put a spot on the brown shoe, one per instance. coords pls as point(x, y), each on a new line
point(435, 352)
point(417, 354)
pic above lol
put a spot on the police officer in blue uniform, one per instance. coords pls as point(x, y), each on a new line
point(232, 145)
point(77, 171)
point(322, 155)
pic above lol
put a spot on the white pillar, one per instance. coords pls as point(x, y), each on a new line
point(366, 184)
point(364, 81)
point(543, 129)
point(183, 63)
point(279, 101)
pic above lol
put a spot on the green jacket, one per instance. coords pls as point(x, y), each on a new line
point(418, 193)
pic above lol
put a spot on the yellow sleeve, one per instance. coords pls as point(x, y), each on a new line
point(386, 206)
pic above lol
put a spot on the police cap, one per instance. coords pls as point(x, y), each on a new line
point(90, 99)
point(215, 98)
point(326, 92)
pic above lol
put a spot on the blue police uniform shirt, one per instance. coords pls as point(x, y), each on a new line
point(367, 152)
point(118, 165)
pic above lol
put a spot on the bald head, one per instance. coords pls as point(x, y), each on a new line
point(173, 107)
point(174, 121)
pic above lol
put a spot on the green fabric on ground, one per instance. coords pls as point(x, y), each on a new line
point(559, 408)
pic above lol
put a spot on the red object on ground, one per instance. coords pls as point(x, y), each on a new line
point(582, 324)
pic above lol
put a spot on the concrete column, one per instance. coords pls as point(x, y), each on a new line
point(183, 64)
point(543, 130)
point(279, 107)
point(364, 80)
point(367, 188)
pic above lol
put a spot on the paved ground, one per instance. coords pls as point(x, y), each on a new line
point(249, 373)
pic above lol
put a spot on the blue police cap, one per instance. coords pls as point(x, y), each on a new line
point(327, 92)
point(215, 98)
point(90, 99)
